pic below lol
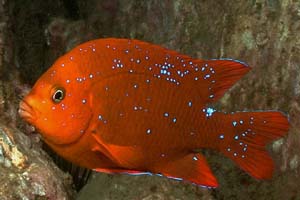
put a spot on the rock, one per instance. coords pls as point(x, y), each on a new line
point(27, 172)
point(103, 186)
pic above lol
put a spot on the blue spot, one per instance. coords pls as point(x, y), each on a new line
point(209, 111)
point(166, 114)
point(148, 131)
point(244, 149)
point(236, 137)
point(221, 137)
point(162, 71)
point(241, 121)
point(196, 78)
point(234, 123)
point(203, 68)
point(211, 96)
point(174, 120)
point(195, 158)
point(190, 104)
point(206, 76)
point(79, 79)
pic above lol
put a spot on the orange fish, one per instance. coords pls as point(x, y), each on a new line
point(127, 106)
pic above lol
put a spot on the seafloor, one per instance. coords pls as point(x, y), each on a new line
point(263, 33)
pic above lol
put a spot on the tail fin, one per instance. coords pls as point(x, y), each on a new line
point(245, 137)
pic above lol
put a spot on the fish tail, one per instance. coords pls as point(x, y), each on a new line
point(245, 137)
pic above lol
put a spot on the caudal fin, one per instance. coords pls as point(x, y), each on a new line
point(245, 137)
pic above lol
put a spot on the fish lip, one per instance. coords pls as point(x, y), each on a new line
point(26, 111)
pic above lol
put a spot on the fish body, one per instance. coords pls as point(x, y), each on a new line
point(127, 106)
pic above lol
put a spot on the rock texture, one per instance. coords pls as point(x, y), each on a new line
point(27, 172)
point(263, 33)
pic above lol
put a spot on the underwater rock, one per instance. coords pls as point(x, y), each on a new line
point(105, 186)
point(27, 172)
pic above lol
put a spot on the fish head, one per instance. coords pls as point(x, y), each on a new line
point(58, 105)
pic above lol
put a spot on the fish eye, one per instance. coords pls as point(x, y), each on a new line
point(58, 94)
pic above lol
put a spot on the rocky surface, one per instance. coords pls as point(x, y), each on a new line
point(27, 172)
point(263, 33)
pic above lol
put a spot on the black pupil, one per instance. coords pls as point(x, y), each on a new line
point(58, 95)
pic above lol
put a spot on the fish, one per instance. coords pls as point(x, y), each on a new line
point(118, 105)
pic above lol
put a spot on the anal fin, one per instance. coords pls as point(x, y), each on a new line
point(192, 168)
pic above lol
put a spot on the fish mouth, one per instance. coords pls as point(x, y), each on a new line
point(26, 111)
